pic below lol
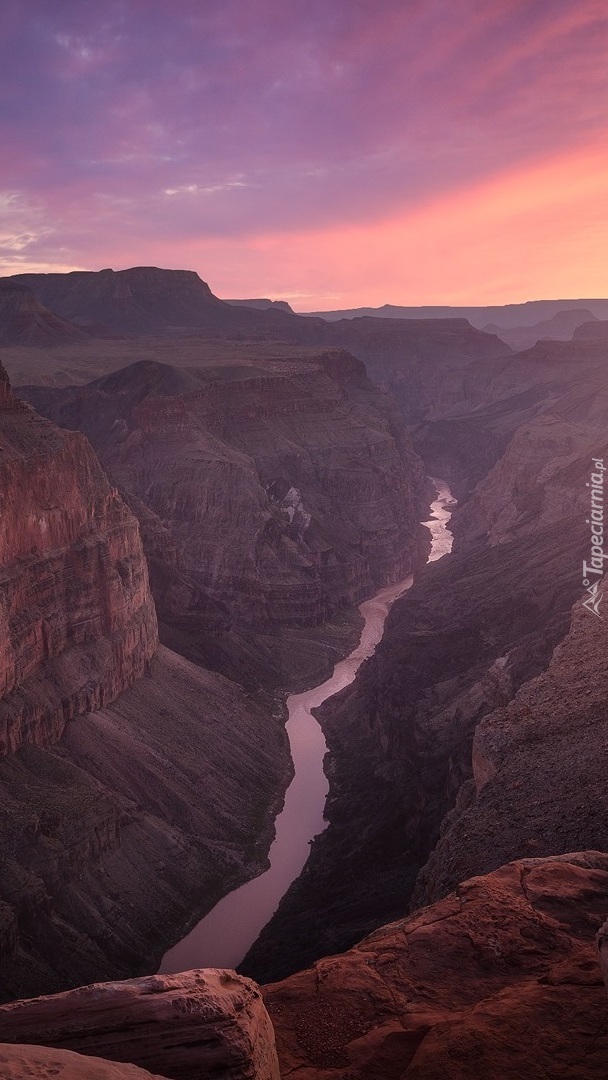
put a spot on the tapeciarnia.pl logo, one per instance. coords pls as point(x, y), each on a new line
point(596, 520)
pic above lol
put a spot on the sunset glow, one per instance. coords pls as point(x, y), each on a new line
point(333, 154)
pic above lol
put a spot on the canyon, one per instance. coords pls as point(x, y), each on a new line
point(271, 481)
point(474, 629)
point(272, 498)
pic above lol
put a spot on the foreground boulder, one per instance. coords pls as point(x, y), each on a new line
point(42, 1063)
point(186, 1027)
point(499, 980)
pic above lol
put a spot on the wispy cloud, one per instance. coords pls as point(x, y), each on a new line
point(134, 127)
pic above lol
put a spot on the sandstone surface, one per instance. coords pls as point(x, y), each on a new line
point(43, 1063)
point(498, 981)
point(187, 1027)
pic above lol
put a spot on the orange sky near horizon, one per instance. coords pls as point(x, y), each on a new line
point(530, 233)
point(334, 155)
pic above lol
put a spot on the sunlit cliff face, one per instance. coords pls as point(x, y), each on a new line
point(331, 154)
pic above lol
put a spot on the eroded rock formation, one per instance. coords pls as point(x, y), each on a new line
point(18, 1062)
point(118, 838)
point(77, 620)
point(121, 815)
point(24, 320)
point(474, 628)
point(271, 498)
point(499, 980)
point(186, 1027)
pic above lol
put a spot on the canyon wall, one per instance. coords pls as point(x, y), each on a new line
point(77, 620)
point(272, 498)
point(474, 628)
point(121, 815)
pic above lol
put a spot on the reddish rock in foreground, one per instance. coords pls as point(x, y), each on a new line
point(187, 1027)
point(44, 1063)
point(499, 980)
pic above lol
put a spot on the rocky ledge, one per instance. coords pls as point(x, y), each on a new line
point(498, 981)
point(19, 1062)
point(185, 1027)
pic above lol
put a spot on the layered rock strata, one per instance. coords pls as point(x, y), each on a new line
point(121, 816)
point(538, 782)
point(187, 1027)
point(25, 321)
point(474, 628)
point(271, 498)
point(499, 980)
point(119, 837)
point(77, 620)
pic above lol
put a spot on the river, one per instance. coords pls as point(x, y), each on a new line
point(224, 936)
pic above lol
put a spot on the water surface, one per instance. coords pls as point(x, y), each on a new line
point(224, 936)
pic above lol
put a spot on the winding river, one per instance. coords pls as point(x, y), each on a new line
point(223, 937)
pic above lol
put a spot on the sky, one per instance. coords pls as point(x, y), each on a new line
point(334, 153)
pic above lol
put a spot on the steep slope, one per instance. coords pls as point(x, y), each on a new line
point(538, 782)
point(271, 498)
point(473, 629)
point(77, 621)
point(498, 980)
point(114, 840)
point(25, 321)
point(120, 813)
point(424, 363)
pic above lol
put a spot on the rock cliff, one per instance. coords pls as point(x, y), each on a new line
point(77, 621)
point(121, 816)
point(145, 300)
point(498, 981)
point(271, 498)
point(538, 781)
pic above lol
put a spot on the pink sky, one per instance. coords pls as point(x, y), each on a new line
point(335, 153)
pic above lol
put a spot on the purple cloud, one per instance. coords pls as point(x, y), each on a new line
point(138, 118)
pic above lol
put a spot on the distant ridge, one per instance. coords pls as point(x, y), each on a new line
point(144, 300)
point(560, 328)
point(505, 315)
point(263, 304)
point(24, 320)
